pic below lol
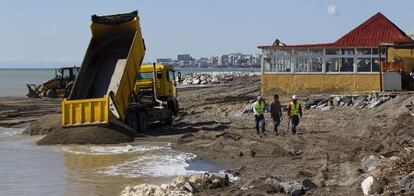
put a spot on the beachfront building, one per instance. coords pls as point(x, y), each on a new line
point(349, 65)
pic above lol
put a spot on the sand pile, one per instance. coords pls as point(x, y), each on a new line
point(44, 125)
point(50, 125)
point(86, 135)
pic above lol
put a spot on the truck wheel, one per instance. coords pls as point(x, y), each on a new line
point(169, 119)
point(132, 121)
point(51, 93)
point(143, 121)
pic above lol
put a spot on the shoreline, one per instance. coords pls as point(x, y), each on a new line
point(329, 150)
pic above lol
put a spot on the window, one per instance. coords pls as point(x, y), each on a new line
point(308, 64)
point(170, 76)
point(364, 65)
point(301, 65)
point(340, 65)
point(301, 52)
point(347, 65)
point(376, 64)
point(267, 65)
point(144, 75)
point(333, 64)
point(283, 65)
point(375, 51)
point(348, 51)
point(267, 52)
point(283, 52)
point(363, 51)
point(316, 52)
point(315, 64)
point(332, 51)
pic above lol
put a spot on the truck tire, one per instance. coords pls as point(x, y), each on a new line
point(52, 93)
point(169, 119)
point(132, 121)
point(143, 121)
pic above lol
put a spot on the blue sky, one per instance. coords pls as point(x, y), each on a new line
point(49, 33)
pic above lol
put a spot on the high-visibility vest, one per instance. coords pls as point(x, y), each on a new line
point(259, 107)
point(294, 108)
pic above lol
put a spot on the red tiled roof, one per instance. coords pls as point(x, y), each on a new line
point(376, 30)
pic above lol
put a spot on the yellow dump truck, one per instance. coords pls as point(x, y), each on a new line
point(104, 89)
point(166, 85)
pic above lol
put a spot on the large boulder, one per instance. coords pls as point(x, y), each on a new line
point(371, 186)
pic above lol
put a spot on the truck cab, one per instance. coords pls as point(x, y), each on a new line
point(166, 85)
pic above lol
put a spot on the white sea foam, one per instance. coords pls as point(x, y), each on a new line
point(106, 150)
point(11, 131)
point(164, 163)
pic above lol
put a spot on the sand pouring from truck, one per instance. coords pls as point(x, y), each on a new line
point(104, 91)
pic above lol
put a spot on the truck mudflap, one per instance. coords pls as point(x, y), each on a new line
point(85, 112)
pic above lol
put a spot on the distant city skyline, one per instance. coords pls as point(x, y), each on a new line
point(52, 33)
point(235, 59)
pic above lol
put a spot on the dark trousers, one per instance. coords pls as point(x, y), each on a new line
point(276, 123)
point(295, 123)
point(260, 123)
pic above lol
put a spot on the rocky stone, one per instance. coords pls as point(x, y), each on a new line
point(196, 81)
point(215, 81)
point(407, 184)
point(179, 181)
point(275, 183)
point(189, 187)
point(248, 185)
point(371, 162)
point(308, 184)
point(371, 186)
point(292, 188)
point(336, 101)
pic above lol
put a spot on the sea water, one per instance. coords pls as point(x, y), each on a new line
point(29, 169)
point(13, 81)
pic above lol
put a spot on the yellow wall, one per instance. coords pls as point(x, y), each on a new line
point(406, 55)
point(307, 84)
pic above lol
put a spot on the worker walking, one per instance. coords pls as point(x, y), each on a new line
point(294, 112)
point(258, 110)
point(276, 113)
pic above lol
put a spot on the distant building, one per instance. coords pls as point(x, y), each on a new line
point(351, 64)
point(184, 57)
point(164, 61)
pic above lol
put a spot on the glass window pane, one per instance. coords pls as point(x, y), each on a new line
point(364, 65)
point(347, 65)
point(375, 51)
point(363, 51)
point(376, 64)
point(333, 64)
point(267, 65)
point(316, 52)
point(266, 52)
point(301, 65)
point(284, 52)
point(348, 51)
point(315, 65)
point(301, 52)
point(332, 51)
point(383, 52)
point(283, 65)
